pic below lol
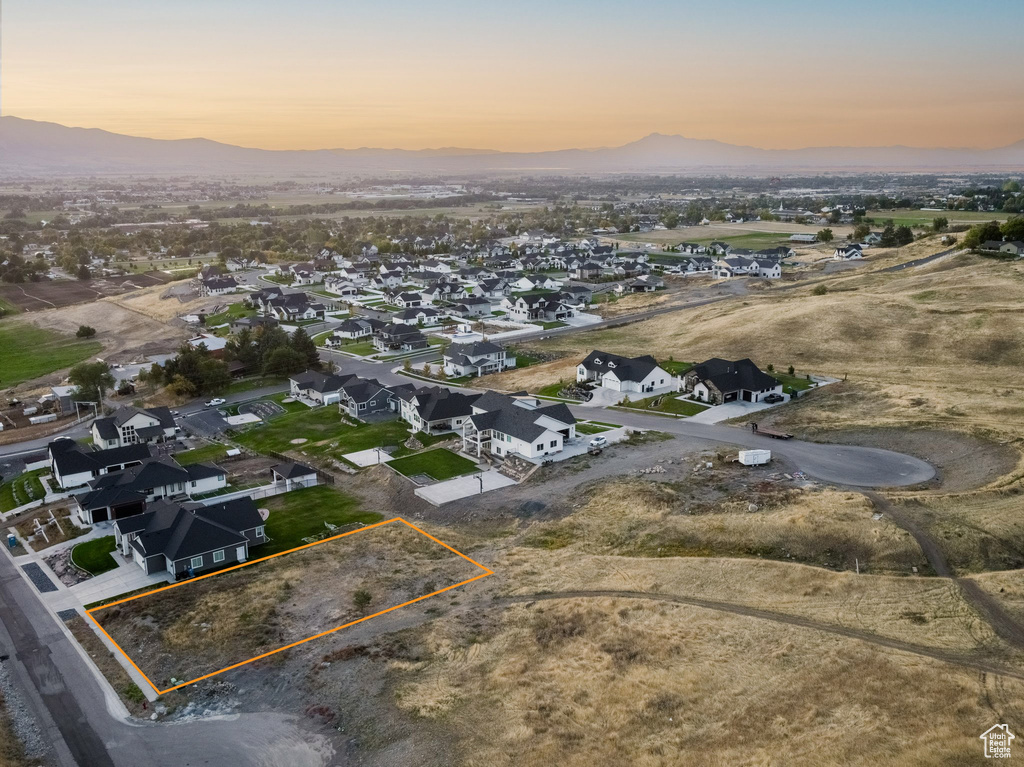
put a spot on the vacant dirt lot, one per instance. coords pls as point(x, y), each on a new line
point(204, 626)
point(37, 296)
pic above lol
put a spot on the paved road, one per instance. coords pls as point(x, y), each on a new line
point(918, 261)
point(71, 709)
point(840, 464)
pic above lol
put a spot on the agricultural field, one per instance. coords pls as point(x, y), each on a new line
point(30, 352)
point(925, 217)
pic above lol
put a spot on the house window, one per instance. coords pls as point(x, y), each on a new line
point(193, 483)
point(259, 531)
point(540, 445)
point(218, 556)
point(554, 443)
point(362, 406)
point(196, 562)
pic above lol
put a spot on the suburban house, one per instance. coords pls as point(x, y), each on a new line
point(399, 337)
point(217, 286)
point(432, 409)
point(1015, 248)
point(718, 381)
point(358, 327)
point(424, 315)
point(626, 374)
point(407, 300)
point(213, 344)
point(646, 283)
point(252, 323)
point(314, 386)
point(848, 252)
point(734, 266)
point(539, 282)
point(126, 492)
point(361, 397)
point(74, 465)
point(185, 539)
point(537, 306)
point(470, 307)
point(476, 359)
point(493, 288)
point(129, 425)
point(768, 269)
point(293, 307)
point(341, 286)
point(518, 424)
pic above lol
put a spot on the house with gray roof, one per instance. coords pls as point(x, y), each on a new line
point(625, 374)
point(74, 465)
point(187, 539)
point(476, 359)
point(517, 424)
point(129, 425)
point(433, 409)
point(718, 381)
point(314, 386)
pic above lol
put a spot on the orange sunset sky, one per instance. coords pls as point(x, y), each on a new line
point(521, 76)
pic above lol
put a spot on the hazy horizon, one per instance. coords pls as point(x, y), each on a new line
point(533, 77)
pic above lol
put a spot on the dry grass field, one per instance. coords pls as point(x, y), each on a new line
point(614, 681)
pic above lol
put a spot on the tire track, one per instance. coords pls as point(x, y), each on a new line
point(943, 656)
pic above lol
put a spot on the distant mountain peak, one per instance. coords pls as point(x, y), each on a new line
point(29, 147)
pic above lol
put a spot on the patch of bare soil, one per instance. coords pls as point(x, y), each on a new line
point(962, 462)
point(206, 625)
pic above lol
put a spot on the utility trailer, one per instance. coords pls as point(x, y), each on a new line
point(754, 457)
point(764, 431)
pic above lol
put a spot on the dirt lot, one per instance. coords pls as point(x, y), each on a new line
point(203, 626)
point(37, 296)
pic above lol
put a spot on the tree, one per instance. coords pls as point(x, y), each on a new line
point(825, 235)
point(124, 388)
point(860, 232)
point(1013, 229)
point(90, 380)
point(182, 386)
point(792, 370)
point(84, 331)
point(670, 220)
point(83, 272)
point(304, 345)
point(980, 233)
point(361, 599)
point(283, 361)
point(888, 236)
point(940, 224)
point(156, 374)
point(407, 366)
point(904, 235)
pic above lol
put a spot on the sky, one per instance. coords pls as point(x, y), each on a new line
point(525, 75)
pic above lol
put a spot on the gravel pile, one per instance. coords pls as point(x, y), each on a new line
point(23, 722)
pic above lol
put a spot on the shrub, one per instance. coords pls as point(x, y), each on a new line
point(84, 331)
point(361, 599)
point(819, 290)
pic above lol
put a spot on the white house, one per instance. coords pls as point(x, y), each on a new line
point(768, 269)
point(848, 252)
point(625, 374)
point(517, 425)
point(129, 425)
point(476, 359)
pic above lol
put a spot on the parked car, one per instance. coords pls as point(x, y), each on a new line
point(215, 402)
point(599, 441)
point(773, 398)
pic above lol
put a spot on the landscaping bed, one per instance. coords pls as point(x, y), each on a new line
point(22, 489)
point(666, 403)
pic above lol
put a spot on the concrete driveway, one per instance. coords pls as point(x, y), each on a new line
point(720, 413)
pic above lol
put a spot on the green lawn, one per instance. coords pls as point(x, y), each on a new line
point(21, 490)
point(676, 368)
point(30, 352)
point(249, 384)
point(233, 312)
point(362, 349)
point(201, 454)
point(667, 404)
point(302, 514)
point(790, 383)
point(367, 436)
point(549, 325)
point(324, 432)
point(94, 556)
point(439, 464)
point(319, 338)
point(590, 428)
point(523, 359)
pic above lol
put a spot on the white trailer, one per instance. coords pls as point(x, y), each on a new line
point(755, 457)
point(42, 418)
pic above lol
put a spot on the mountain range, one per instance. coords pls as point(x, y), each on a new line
point(33, 148)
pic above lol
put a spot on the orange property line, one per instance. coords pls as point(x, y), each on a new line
point(484, 574)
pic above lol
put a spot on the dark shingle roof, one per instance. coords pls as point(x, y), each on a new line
point(625, 368)
point(727, 376)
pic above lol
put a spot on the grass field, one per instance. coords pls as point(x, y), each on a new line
point(234, 312)
point(21, 490)
point(440, 464)
point(202, 454)
point(94, 556)
point(302, 513)
point(925, 217)
point(362, 349)
point(30, 352)
point(249, 384)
